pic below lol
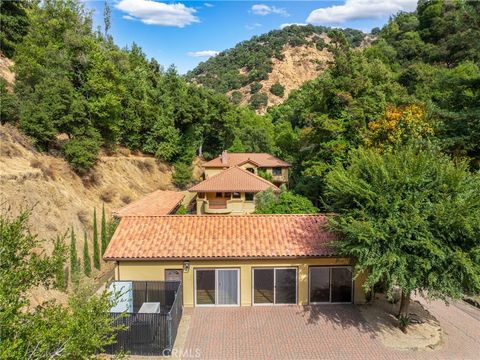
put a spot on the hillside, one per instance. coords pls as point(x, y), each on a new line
point(283, 58)
point(58, 197)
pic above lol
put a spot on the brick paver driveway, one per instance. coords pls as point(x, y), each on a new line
point(321, 332)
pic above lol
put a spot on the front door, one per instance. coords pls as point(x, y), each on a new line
point(217, 287)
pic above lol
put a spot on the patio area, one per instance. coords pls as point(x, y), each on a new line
point(316, 332)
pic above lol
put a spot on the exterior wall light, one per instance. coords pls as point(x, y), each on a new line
point(186, 266)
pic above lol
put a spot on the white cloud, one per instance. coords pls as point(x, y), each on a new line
point(262, 9)
point(128, 17)
point(289, 24)
point(203, 53)
point(359, 9)
point(157, 13)
point(252, 26)
point(208, 5)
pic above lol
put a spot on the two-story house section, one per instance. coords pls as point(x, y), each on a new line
point(231, 191)
point(253, 162)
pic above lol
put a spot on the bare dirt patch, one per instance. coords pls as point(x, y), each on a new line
point(424, 333)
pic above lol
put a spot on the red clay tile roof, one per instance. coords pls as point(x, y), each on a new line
point(220, 236)
point(262, 159)
point(160, 202)
point(234, 179)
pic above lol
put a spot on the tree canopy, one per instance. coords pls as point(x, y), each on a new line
point(267, 202)
point(411, 218)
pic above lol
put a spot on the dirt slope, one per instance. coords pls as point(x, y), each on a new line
point(299, 65)
point(60, 198)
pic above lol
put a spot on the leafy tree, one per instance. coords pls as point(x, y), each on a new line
point(236, 97)
point(9, 108)
point(237, 146)
point(182, 210)
point(74, 270)
point(182, 174)
point(78, 330)
point(14, 24)
point(409, 218)
point(96, 250)
point(266, 175)
point(81, 153)
point(258, 100)
point(103, 231)
point(277, 89)
point(87, 265)
point(268, 202)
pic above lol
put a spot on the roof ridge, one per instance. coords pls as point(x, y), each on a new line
point(223, 216)
point(255, 176)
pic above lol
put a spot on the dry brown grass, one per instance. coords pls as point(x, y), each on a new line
point(126, 199)
point(83, 216)
point(123, 151)
point(108, 194)
point(145, 165)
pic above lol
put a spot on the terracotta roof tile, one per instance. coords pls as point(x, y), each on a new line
point(262, 159)
point(220, 236)
point(234, 179)
point(160, 202)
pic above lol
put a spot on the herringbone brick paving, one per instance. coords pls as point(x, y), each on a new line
point(320, 332)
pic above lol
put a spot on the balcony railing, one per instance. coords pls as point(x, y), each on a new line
point(149, 333)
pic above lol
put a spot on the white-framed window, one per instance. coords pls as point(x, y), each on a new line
point(217, 287)
point(274, 286)
point(330, 284)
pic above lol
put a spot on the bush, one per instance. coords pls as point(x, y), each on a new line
point(277, 89)
point(255, 87)
point(266, 175)
point(259, 100)
point(286, 203)
point(182, 174)
point(81, 153)
point(182, 210)
point(236, 97)
point(108, 194)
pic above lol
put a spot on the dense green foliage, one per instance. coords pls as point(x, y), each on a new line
point(267, 202)
point(277, 89)
point(76, 82)
point(74, 270)
point(87, 264)
point(419, 81)
point(411, 218)
point(96, 249)
point(14, 24)
point(251, 61)
point(182, 175)
point(77, 330)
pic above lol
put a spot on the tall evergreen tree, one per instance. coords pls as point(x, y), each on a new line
point(73, 255)
point(87, 265)
point(103, 231)
point(96, 252)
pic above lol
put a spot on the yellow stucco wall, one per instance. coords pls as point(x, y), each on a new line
point(155, 270)
point(209, 172)
point(236, 206)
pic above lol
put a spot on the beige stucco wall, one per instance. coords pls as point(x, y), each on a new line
point(155, 270)
point(209, 172)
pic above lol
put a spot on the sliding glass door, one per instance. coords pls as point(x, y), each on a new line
point(330, 284)
point(274, 286)
point(217, 287)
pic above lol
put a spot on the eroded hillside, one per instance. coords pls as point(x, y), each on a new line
point(58, 197)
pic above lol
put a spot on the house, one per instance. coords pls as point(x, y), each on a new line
point(253, 162)
point(160, 202)
point(245, 260)
point(230, 191)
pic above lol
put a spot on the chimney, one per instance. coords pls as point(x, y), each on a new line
point(224, 157)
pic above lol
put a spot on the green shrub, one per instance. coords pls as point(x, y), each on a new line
point(182, 174)
point(266, 175)
point(277, 89)
point(236, 97)
point(182, 210)
point(259, 100)
point(81, 153)
point(255, 87)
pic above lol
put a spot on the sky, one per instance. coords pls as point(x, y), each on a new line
point(188, 32)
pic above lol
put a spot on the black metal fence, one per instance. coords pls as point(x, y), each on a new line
point(150, 334)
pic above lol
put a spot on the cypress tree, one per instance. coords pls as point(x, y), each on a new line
point(73, 256)
point(96, 254)
point(87, 266)
point(103, 231)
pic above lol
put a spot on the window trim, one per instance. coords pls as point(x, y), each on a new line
point(239, 287)
point(274, 268)
point(330, 267)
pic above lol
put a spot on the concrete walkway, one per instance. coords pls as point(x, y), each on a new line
point(320, 332)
